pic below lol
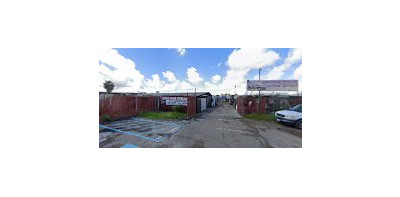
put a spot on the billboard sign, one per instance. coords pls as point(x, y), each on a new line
point(175, 101)
point(272, 85)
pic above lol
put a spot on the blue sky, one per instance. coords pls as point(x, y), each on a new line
point(151, 61)
point(182, 69)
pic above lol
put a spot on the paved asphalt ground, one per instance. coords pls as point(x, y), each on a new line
point(217, 127)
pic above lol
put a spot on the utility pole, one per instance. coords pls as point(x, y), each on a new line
point(235, 89)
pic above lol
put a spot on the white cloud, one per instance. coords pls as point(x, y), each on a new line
point(171, 84)
point(278, 72)
point(124, 74)
point(216, 78)
point(154, 84)
point(232, 78)
point(181, 51)
point(240, 62)
point(294, 56)
point(193, 76)
point(185, 86)
point(170, 76)
point(251, 58)
point(128, 79)
point(210, 87)
point(297, 74)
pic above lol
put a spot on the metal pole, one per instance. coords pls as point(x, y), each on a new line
point(136, 103)
point(259, 92)
point(273, 96)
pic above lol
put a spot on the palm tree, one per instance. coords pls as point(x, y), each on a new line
point(109, 86)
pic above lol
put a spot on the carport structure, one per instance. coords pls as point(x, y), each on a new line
point(150, 130)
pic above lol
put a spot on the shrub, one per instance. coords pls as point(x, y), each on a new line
point(107, 118)
point(177, 108)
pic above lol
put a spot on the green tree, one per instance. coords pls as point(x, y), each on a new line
point(109, 86)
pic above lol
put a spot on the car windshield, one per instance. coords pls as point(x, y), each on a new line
point(296, 108)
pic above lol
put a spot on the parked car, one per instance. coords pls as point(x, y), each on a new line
point(291, 116)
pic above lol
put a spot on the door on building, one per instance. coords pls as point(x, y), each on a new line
point(198, 105)
point(203, 103)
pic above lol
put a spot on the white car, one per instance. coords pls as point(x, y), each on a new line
point(291, 116)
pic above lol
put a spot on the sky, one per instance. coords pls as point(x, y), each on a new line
point(215, 70)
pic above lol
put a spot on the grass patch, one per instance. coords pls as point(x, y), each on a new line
point(163, 115)
point(266, 117)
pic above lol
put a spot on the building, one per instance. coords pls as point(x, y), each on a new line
point(203, 99)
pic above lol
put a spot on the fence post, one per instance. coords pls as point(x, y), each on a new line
point(136, 104)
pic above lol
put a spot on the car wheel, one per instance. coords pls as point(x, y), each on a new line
point(298, 124)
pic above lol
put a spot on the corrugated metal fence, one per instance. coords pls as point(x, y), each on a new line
point(191, 107)
point(269, 104)
point(248, 105)
point(125, 106)
point(116, 106)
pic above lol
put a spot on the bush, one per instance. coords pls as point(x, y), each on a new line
point(107, 118)
point(177, 108)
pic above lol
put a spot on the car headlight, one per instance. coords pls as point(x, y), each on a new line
point(290, 117)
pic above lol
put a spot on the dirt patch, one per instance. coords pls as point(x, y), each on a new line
point(109, 140)
point(297, 133)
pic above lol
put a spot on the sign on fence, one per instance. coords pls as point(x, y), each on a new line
point(272, 85)
point(175, 100)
